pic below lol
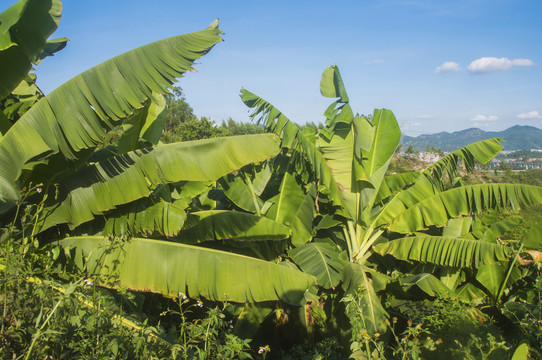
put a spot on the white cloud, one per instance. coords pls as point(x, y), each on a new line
point(529, 115)
point(447, 67)
point(416, 124)
point(522, 62)
point(376, 61)
point(488, 64)
point(484, 118)
point(426, 117)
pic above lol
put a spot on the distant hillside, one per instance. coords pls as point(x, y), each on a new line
point(516, 138)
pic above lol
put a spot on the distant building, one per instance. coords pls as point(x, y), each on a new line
point(429, 157)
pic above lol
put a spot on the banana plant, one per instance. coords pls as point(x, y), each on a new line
point(139, 186)
point(376, 212)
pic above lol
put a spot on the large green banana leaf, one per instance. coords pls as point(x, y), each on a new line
point(395, 182)
point(376, 160)
point(444, 251)
point(427, 283)
point(481, 151)
point(269, 116)
point(144, 126)
point(533, 238)
point(241, 193)
point(338, 152)
point(470, 292)
point(163, 213)
point(172, 268)
point(457, 228)
point(223, 224)
point(322, 259)
point(357, 151)
point(499, 228)
point(292, 207)
point(102, 186)
point(465, 200)
point(301, 140)
point(332, 86)
point(76, 115)
point(24, 29)
point(356, 281)
point(493, 276)
point(400, 201)
point(22, 98)
point(340, 142)
point(146, 217)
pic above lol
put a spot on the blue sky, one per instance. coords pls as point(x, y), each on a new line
point(439, 65)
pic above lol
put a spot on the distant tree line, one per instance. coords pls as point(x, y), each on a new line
point(183, 125)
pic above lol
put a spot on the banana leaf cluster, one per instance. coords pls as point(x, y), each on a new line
point(374, 232)
point(292, 215)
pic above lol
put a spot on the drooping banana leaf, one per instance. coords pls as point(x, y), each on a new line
point(533, 238)
point(141, 129)
point(395, 182)
point(301, 140)
point(250, 317)
point(269, 116)
point(400, 201)
point(322, 259)
point(245, 187)
point(146, 217)
point(241, 193)
point(338, 151)
point(481, 151)
point(223, 224)
point(144, 126)
point(470, 292)
point(332, 86)
point(492, 277)
point(163, 213)
point(465, 200)
point(458, 228)
point(101, 187)
point(24, 29)
point(172, 268)
point(356, 281)
point(499, 228)
point(77, 114)
point(444, 251)
point(22, 98)
point(51, 47)
point(292, 207)
point(427, 283)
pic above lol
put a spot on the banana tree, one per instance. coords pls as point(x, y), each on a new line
point(347, 161)
point(55, 144)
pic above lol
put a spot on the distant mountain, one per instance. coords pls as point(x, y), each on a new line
point(516, 138)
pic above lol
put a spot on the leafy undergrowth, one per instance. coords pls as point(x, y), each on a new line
point(50, 315)
point(402, 164)
point(47, 314)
